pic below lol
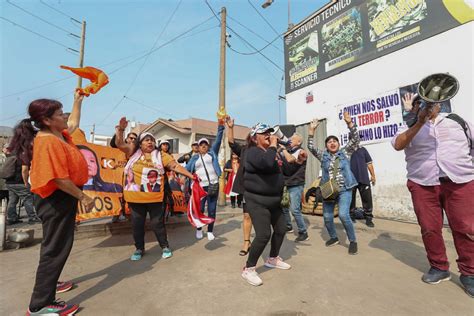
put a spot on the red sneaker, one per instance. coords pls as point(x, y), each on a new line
point(56, 309)
point(62, 287)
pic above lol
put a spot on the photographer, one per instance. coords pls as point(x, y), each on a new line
point(439, 156)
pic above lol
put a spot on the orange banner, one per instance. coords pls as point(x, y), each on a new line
point(105, 170)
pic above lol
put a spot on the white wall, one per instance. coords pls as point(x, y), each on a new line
point(450, 51)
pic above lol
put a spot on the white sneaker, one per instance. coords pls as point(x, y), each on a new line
point(199, 234)
point(277, 262)
point(251, 276)
point(210, 236)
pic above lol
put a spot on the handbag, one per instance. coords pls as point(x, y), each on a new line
point(213, 188)
point(330, 188)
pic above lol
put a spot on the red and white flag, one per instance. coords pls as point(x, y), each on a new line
point(195, 215)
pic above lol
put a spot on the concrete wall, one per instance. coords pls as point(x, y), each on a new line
point(450, 51)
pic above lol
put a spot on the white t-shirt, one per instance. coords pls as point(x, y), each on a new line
point(201, 172)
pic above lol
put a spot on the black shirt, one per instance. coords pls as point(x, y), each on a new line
point(294, 173)
point(262, 172)
point(238, 185)
point(359, 160)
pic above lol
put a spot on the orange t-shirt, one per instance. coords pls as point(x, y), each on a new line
point(146, 186)
point(55, 159)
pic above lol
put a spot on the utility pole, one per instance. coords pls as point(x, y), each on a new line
point(81, 52)
point(93, 134)
point(222, 198)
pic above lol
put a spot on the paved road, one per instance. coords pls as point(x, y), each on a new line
point(204, 277)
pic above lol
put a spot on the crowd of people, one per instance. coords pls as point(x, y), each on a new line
point(50, 172)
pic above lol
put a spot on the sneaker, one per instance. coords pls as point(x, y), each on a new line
point(56, 309)
point(122, 218)
point(251, 276)
point(277, 262)
point(302, 237)
point(199, 234)
point(353, 248)
point(435, 276)
point(137, 255)
point(332, 242)
point(210, 236)
point(289, 229)
point(467, 282)
point(369, 222)
point(166, 253)
point(62, 287)
point(34, 220)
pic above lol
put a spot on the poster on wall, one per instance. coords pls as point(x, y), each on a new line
point(379, 118)
point(352, 32)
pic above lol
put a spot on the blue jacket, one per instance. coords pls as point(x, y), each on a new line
point(345, 165)
point(214, 152)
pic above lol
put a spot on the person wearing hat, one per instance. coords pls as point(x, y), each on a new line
point(194, 150)
point(146, 167)
point(206, 165)
point(263, 183)
point(168, 201)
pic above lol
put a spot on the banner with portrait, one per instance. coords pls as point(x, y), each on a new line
point(105, 170)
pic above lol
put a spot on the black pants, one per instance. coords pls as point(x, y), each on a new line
point(366, 197)
point(57, 213)
point(265, 212)
point(157, 221)
point(239, 200)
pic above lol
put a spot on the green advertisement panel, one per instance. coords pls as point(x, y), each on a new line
point(353, 32)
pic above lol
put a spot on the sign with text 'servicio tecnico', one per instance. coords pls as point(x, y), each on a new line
point(378, 119)
point(352, 32)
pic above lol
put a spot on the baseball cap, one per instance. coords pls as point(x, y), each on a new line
point(194, 143)
point(143, 135)
point(203, 140)
point(164, 142)
point(261, 128)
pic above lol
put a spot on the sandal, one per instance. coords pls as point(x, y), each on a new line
point(245, 252)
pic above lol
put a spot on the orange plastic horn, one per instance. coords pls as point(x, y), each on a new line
point(97, 77)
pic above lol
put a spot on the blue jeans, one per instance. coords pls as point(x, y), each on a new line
point(344, 202)
point(17, 192)
point(211, 209)
point(296, 193)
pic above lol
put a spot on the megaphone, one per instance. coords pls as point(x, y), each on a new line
point(282, 139)
point(437, 88)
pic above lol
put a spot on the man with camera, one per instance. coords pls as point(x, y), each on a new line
point(439, 156)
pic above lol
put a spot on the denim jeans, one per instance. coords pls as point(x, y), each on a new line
point(211, 209)
point(296, 193)
point(344, 202)
point(17, 191)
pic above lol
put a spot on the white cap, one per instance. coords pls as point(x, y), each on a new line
point(164, 142)
point(203, 140)
point(143, 135)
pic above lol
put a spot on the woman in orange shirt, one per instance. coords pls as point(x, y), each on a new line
point(144, 186)
point(58, 171)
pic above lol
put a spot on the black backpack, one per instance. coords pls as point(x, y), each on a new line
point(8, 169)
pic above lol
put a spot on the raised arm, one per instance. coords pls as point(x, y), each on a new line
point(313, 125)
point(229, 122)
point(354, 139)
point(128, 149)
point(217, 143)
point(75, 117)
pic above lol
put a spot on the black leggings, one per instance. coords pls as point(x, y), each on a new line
point(238, 198)
point(265, 212)
point(57, 213)
point(157, 221)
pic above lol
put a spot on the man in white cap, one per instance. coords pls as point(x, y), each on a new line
point(194, 150)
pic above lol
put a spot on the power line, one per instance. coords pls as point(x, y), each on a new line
point(60, 12)
point(266, 21)
point(257, 51)
point(150, 107)
point(253, 47)
point(213, 12)
point(256, 34)
point(144, 62)
point(45, 21)
point(38, 34)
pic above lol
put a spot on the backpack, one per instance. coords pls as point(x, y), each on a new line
point(8, 169)
point(464, 126)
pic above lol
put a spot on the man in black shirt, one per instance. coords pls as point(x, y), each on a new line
point(360, 162)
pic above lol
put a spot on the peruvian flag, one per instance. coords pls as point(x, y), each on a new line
point(195, 215)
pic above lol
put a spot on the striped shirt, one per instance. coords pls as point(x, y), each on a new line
point(348, 150)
